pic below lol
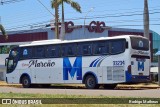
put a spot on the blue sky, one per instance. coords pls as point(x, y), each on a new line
point(29, 13)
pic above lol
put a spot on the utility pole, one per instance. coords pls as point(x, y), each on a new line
point(146, 19)
point(56, 21)
point(158, 54)
point(0, 19)
point(62, 34)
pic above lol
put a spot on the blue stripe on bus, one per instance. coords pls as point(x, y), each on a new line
point(101, 59)
point(91, 65)
point(128, 76)
point(99, 63)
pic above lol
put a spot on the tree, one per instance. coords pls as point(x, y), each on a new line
point(73, 4)
point(4, 34)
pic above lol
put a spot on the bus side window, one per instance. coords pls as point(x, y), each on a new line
point(84, 48)
point(71, 51)
point(39, 52)
point(79, 49)
point(26, 53)
point(52, 51)
point(63, 50)
point(117, 46)
point(100, 48)
point(87, 48)
point(68, 50)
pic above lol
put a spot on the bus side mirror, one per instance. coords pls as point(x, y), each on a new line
point(126, 45)
point(6, 61)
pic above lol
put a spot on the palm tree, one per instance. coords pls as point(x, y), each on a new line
point(4, 34)
point(73, 4)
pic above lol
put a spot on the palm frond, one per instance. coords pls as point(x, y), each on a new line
point(4, 34)
point(55, 2)
point(74, 5)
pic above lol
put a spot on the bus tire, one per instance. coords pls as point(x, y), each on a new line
point(90, 82)
point(26, 82)
point(109, 86)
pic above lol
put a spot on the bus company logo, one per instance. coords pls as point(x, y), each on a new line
point(72, 70)
point(25, 65)
point(35, 63)
point(140, 66)
point(140, 44)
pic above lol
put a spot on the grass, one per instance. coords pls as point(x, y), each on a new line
point(68, 98)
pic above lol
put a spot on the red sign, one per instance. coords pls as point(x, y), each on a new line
point(68, 25)
point(94, 26)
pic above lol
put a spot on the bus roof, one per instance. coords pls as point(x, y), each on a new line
point(57, 41)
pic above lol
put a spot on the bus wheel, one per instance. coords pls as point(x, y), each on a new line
point(26, 82)
point(90, 82)
point(110, 86)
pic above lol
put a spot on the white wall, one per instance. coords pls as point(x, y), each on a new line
point(2, 66)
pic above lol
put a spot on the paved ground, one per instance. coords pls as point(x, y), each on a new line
point(150, 93)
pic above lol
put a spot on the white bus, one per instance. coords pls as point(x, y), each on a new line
point(103, 61)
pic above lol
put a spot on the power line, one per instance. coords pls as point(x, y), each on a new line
point(151, 8)
point(46, 8)
point(9, 1)
point(154, 24)
point(105, 16)
point(98, 16)
point(135, 20)
point(44, 23)
point(28, 25)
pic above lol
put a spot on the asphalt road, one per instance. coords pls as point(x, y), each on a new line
point(149, 93)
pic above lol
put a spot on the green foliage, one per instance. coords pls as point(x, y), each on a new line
point(73, 4)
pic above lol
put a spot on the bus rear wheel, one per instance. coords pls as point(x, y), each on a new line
point(26, 82)
point(90, 82)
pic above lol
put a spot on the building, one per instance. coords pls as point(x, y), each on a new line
point(94, 30)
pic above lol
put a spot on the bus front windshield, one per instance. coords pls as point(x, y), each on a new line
point(12, 60)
